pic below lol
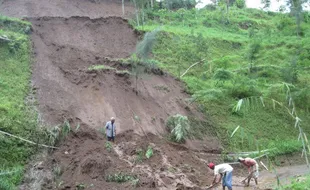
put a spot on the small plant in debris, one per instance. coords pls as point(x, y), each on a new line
point(135, 182)
point(102, 131)
point(162, 88)
point(139, 155)
point(108, 146)
point(137, 118)
point(58, 133)
point(77, 128)
point(80, 186)
point(172, 169)
point(100, 67)
point(123, 72)
point(120, 178)
point(60, 184)
point(57, 170)
point(149, 152)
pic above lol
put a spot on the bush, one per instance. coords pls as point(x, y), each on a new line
point(223, 75)
point(240, 3)
point(302, 98)
point(177, 4)
point(244, 88)
point(178, 126)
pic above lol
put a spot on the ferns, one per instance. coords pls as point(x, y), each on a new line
point(179, 127)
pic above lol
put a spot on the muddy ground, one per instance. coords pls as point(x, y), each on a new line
point(84, 158)
point(71, 36)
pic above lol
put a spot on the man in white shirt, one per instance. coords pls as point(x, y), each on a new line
point(225, 172)
point(110, 129)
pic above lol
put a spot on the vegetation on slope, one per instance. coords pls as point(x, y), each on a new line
point(240, 54)
point(17, 117)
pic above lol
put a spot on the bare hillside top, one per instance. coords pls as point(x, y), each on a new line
point(64, 8)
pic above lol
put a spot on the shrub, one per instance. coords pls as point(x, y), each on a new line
point(177, 4)
point(178, 125)
point(302, 98)
point(240, 3)
point(223, 75)
point(244, 88)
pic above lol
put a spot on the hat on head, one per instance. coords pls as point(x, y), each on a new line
point(211, 165)
point(112, 118)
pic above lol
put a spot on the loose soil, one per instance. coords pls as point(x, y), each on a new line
point(64, 51)
point(84, 158)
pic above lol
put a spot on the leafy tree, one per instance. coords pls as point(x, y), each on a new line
point(222, 75)
point(177, 4)
point(240, 3)
point(266, 3)
point(290, 72)
point(253, 51)
point(143, 51)
point(296, 10)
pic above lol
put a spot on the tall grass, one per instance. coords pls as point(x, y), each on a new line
point(17, 116)
point(224, 76)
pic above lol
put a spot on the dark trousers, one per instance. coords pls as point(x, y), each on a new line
point(111, 139)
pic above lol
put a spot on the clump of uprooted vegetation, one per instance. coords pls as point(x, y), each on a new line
point(225, 56)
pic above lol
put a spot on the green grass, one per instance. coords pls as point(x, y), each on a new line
point(16, 115)
point(303, 183)
point(224, 42)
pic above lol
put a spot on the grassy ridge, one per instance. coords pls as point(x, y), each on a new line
point(16, 117)
point(231, 45)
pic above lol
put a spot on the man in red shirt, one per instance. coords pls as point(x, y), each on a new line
point(252, 166)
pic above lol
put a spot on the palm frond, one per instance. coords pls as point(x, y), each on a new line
point(236, 129)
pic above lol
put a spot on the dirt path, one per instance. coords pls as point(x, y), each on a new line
point(64, 8)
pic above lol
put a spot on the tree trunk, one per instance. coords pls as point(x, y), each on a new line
point(152, 3)
point(137, 12)
point(227, 6)
point(136, 83)
point(123, 7)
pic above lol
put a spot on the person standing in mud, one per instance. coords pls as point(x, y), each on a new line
point(110, 129)
point(225, 173)
point(252, 166)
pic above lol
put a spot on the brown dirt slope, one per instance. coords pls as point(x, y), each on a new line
point(64, 8)
point(64, 50)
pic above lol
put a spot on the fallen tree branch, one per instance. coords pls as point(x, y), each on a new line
point(28, 141)
point(264, 165)
point(191, 67)
point(248, 153)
